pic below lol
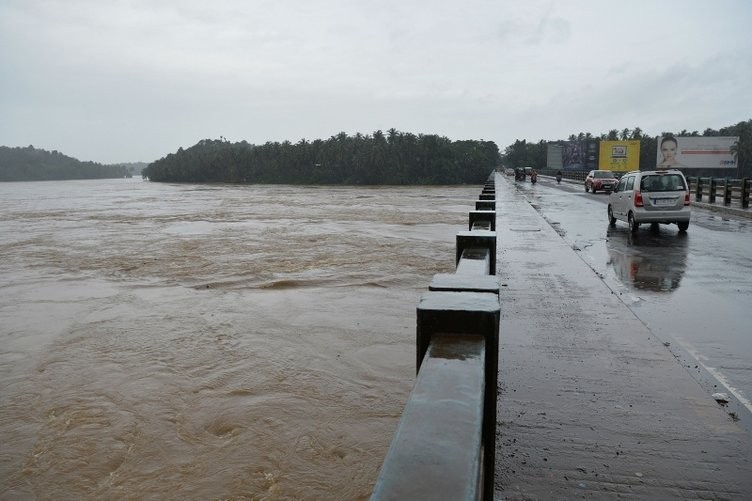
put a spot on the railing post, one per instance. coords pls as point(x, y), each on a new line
point(726, 192)
point(485, 216)
point(468, 313)
point(698, 194)
point(485, 204)
point(452, 282)
point(713, 188)
point(692, 184)
point(485, 239)
point(745, 192)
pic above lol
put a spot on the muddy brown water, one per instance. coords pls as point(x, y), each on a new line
point(210, 342)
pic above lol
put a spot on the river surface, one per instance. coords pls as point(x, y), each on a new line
point(210, 342)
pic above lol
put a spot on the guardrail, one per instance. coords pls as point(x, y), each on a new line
point(445, 443)
point(574, 175)
point(732, 191)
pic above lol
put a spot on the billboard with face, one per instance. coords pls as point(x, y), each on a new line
point(622, 156)
point(697, 152)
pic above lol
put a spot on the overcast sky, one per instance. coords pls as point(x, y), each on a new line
point(133, 80)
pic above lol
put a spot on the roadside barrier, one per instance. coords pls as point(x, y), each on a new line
point(726, 191)
point(731, 190)
point(482, 220)
point(445, 443)
point(485, 205)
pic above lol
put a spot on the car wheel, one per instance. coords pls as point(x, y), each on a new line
point(683, 225)
point(633, 225)
point(593, 190)
point(611, 218)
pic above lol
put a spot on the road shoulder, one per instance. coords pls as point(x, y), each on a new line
point(591, 403)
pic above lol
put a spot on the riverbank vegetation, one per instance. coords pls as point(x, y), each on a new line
point(32, 164)
point(395, 158)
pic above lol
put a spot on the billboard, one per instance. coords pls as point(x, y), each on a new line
point(697, 152)
point(622, 156)
point(579, 154)
point(572, 155)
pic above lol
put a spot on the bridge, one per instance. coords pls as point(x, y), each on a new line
point(589, 404)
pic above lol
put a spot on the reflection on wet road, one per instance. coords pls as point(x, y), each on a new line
point(647, 260)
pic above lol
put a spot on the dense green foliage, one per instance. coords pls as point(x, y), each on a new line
point(524, 154)
point(521, 153)
point(31, 164)
point(395, 158)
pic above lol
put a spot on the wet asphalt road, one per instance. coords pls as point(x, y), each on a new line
point(594, 402)
point(691, 289)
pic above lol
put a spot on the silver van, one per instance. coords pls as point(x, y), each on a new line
point(656, 197)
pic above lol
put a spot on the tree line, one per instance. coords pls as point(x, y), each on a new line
point(523, 153)
point(32, 164)
point(394, 158)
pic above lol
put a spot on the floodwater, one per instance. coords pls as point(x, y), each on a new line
point(210, 342)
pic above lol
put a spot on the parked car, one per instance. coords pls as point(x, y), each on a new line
point(600, 180)
point(656, 197)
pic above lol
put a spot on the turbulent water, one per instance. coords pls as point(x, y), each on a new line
point(210, 342)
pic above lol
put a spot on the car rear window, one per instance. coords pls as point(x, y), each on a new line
point(665, 182)
point(602, 173)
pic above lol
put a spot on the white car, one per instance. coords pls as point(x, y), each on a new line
point(655, 197)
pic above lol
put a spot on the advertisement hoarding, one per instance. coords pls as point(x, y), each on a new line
point(697, 152)
point(579, 154)
point(572, 156)
point(620, 156)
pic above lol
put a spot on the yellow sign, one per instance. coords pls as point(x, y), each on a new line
point(620, 156)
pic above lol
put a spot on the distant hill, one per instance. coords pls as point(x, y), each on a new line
point(32, 164)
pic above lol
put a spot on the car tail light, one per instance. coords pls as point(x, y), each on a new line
point(638, 199)
point(686, 198)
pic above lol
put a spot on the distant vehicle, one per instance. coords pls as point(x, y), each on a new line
point(519, 174)
point(655, 197)
point(600, 180)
